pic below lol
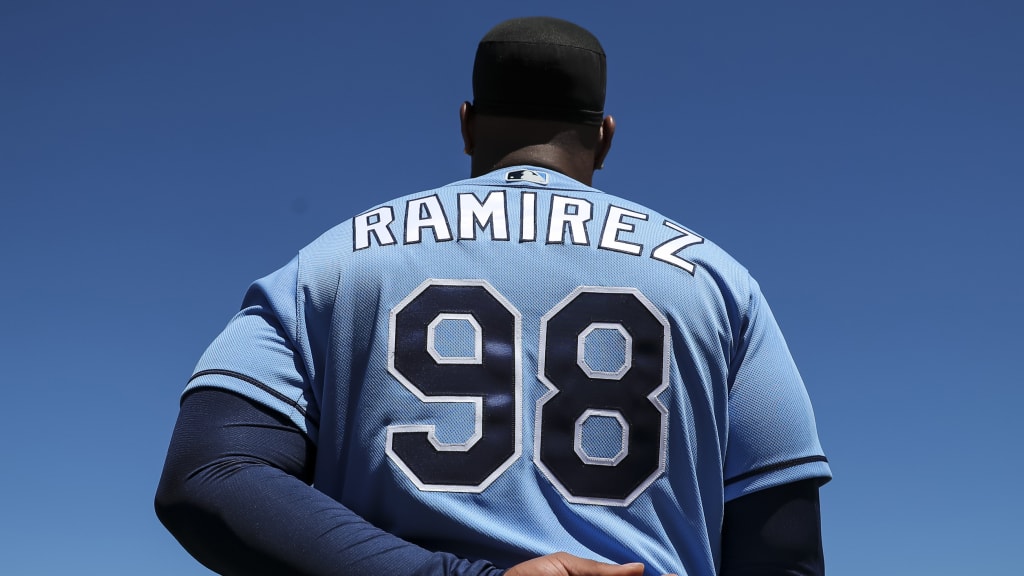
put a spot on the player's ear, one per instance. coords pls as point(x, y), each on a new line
point(466, 120)
point(604, 141)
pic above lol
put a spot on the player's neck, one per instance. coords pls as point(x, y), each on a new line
point(577, 166)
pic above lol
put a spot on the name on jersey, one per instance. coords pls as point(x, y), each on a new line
point(570, 221)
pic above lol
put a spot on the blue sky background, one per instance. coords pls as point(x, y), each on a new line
point(865, 160)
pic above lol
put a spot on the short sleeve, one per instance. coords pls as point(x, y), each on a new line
point(773, 439)
point(258, 354)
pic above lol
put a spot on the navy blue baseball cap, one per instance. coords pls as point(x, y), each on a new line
point(540, 67)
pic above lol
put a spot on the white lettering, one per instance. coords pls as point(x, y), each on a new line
point(562, 217)
point(567, 223)
point(473, 213)
point(528, 218)
point(666, 252)
point(613, 224)
point(426, 213)
point(375, 222)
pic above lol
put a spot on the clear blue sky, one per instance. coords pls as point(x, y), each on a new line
point(865, 160)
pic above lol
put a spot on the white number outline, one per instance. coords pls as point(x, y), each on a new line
point(652, 397)
point(476, 401)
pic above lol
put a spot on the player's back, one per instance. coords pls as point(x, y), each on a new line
point(518, 364)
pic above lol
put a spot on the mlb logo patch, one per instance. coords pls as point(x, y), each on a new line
point(532, 176)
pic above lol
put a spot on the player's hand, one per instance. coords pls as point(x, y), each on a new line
point(565, 564)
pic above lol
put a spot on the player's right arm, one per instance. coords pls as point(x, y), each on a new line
point(774, 463)
point(774, 531)
point(234, 493)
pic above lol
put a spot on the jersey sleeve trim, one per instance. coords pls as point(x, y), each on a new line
point(776, 467)
point(231, 373)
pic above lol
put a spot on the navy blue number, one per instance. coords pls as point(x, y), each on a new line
point(490, 381)
point(578, 392)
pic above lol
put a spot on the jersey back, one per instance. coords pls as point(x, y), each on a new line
point(518, 364)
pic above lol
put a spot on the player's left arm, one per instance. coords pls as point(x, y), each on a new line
point(235, 493)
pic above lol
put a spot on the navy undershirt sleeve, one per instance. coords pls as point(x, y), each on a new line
point(776, 531)
point(235, 493)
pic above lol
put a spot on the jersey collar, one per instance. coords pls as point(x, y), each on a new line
point(526, 176)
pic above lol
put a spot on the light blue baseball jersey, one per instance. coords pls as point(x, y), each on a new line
point(518, 364)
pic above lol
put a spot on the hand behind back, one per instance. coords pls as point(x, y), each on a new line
point(565, 564)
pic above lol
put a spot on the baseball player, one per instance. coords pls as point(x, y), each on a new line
point(514, 372)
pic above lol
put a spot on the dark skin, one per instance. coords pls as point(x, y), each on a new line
point(565, 564)
point(493, 142)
